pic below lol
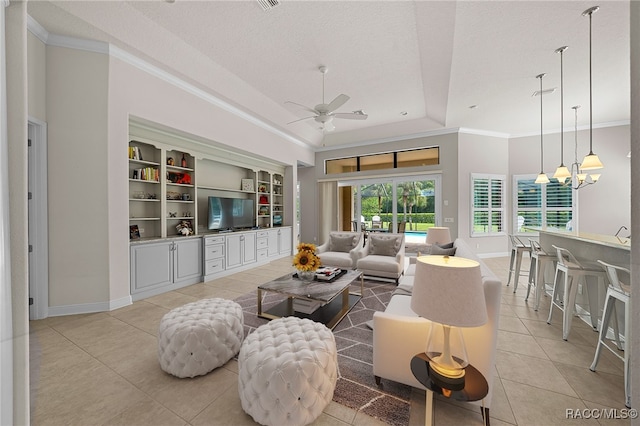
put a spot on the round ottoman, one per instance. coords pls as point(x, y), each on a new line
point(287, 371)
point(200, 336)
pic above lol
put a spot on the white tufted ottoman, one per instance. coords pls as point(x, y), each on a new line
point(200, 336)
point(287, 371)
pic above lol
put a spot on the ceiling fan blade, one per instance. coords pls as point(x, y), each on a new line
point(337, 102)
point(329, 127)
point(351, 115)
point(306, 108)
point(306, 118)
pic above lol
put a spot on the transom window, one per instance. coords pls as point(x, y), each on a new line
point(388, 160)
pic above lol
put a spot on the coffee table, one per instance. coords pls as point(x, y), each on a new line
point(332, 308)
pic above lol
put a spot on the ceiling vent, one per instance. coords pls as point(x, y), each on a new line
point(268, 4)
point(543, 92)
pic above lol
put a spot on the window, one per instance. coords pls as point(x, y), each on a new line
point(384, 161)
point(538, 205)
point(487, 204)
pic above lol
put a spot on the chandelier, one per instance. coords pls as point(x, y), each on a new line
point(580, 174)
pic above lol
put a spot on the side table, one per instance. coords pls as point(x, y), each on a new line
point(475, 387)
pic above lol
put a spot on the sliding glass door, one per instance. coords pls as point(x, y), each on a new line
point(395, 204)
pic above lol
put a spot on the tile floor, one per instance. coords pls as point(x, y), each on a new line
point(101, 369)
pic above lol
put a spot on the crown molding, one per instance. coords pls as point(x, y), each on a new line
point(583, 127)
point(478, 132)
point(108, 49)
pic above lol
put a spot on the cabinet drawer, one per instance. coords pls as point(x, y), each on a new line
point(213, 251)
point(261, 234)
point(214, 266)
point(262, 255)
point(213, 240)
point(262, 243)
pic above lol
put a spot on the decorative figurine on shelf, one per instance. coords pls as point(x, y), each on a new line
point(170, 161)
point(185, 228)
point(264, 199)
point(183, 163)
point(262, 188)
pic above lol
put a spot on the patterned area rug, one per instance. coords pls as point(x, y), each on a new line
point(356, 387)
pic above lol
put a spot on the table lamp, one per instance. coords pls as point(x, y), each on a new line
point(448, 290)
point(438, 235)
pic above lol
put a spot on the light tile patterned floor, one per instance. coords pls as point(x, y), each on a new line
point(101, 369)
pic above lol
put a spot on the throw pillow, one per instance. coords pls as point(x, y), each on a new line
point(343, 243)
point(384, 246)
point(446, 246)
point(439, 250)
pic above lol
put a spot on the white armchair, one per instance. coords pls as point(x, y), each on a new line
point(341, 250)
point(383, 256)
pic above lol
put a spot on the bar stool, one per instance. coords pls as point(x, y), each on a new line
point(574, 273)
point(517, 248)
point(540, 260)
point(622, 292)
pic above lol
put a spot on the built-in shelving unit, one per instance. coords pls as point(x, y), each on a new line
point(180, 190)
point(263, 213)
point(145, 190)
point(277, 199)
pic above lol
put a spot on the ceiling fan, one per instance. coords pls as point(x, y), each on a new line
point(324, 113)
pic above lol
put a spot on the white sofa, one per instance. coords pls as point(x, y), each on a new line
point(399, 334)
point(383, 256)
point(341, 250)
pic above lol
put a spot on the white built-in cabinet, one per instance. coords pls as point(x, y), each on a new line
point(170, 180)
point(240, 249)
point(157, 267)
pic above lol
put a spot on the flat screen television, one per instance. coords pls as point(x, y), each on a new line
point(231, 213)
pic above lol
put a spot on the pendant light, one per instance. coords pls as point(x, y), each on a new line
point(591, 160)
point(562, 172)
point(542, 177)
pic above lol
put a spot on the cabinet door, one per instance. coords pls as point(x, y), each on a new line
point(285, 240)
point(249, 247)
point(151, 266)
point(188, 259)
point(272, 244)
point(233, 251)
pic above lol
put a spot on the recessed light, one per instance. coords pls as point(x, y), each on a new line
point(404, 113)
point(473, 106)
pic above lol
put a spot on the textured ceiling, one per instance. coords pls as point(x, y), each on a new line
point(431, 59)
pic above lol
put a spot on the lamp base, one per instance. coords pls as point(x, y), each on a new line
point(444, 379)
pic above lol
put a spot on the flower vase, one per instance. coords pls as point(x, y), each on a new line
point(307, 276)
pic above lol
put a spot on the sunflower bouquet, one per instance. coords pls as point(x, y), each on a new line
point(306, 260)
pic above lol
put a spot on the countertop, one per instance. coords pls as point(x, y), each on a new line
point(600, 239)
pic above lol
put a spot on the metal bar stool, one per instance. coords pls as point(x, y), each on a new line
point(540, 260)
point(622, 292)
point(517, 248)
point(574, 273)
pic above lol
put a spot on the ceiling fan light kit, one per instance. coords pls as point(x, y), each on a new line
point(324, 113)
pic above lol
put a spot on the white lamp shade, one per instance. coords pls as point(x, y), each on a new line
point(448, 290)
point(562, 173)
point(542, 178)
point(438, 235)
point(591, 162)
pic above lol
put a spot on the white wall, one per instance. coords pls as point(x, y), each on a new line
point(481, 154)
point(603, 207)
point(78, 176)
point(36, 75)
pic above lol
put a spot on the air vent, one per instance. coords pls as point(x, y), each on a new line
point(268, 4)
point(543, 92)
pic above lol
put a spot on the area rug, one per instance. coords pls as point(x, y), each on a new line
point(356, 387)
